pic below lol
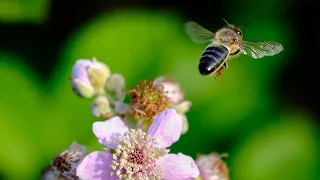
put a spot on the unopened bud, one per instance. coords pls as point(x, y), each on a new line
point(171, 88)
point(212, 167)
point(183, 106)
point(115, 87)
point(89, 77)
point(64, 165)
point(100, 107)
point(119, 107)
point(185, 124)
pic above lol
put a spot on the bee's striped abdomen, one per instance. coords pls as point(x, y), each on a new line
point(212, 58)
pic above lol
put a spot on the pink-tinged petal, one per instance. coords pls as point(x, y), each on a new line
point(178, 167)
point(166, 127)
point(80, 70)
point(96, 166)
point(212, 166)
point(171, 88)
point(109, 130)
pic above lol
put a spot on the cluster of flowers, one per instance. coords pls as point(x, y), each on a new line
point(136, 135)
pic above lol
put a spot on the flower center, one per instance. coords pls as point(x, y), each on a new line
point(147, 99)
point(135, 156)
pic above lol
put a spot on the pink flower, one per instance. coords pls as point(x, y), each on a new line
point(134, 154)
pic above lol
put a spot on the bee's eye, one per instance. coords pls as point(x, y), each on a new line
point(238, 32)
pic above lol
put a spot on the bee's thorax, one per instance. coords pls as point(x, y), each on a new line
point(228, 34)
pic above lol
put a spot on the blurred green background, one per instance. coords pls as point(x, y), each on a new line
point(264, 113)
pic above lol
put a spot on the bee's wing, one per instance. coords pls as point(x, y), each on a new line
point(259, 49)
point(197, 33)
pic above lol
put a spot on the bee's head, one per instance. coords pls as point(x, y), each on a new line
point(235, 29)
point(228, 34)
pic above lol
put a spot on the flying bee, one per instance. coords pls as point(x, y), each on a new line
point(226, 44)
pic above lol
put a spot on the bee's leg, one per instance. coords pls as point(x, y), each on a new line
point(218, 75)
point(219, 72)
point(225, 66)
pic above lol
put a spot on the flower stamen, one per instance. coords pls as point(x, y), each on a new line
point(135, 156)
point(147, 99)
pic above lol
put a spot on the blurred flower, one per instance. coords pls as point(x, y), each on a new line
point(100, 107)
point(64, 165)
point(134, 154)
point(115, 87)
point(89, 77)
point(175, 94)
point(147, 99)
point(212, 167)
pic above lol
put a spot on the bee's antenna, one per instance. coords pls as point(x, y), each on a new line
point(225, 20)
point(247, 23)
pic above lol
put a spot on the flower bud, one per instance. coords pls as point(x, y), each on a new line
point(183, 106)
point(171, 88)
point(212, 167)
point(100, 107)
point(115, 87)
point(185, 124)
point(64, 165)
point(119, 107)
point(89, 77)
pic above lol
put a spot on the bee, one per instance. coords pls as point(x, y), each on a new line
point(226, 44)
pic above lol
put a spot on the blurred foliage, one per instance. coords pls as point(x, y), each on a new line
point(240, 115)
point(36, 124)
point(23, 10)
point(284, 149)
